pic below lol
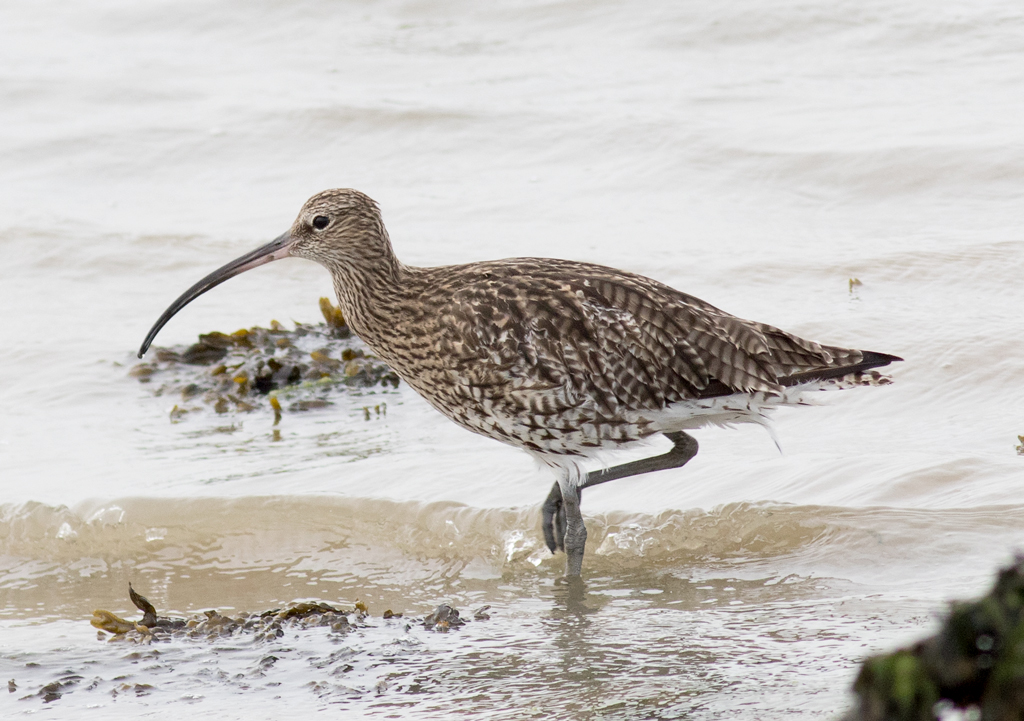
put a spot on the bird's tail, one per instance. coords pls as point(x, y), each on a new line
point(869, 360)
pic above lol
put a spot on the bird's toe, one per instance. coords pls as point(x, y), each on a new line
point(553, 520)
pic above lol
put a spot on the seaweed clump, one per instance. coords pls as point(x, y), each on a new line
point(211, 625)
point(264, 626)
point(255, 368)
point(974, 663)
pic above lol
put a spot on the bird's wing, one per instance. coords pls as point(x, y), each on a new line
point(563, 334)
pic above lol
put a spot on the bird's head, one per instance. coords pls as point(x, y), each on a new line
point(338, 228)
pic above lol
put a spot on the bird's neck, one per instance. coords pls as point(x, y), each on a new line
point(367, 289)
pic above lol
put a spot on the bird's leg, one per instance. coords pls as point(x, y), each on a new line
point(575, 538)
point(553, 511)
point(683, 449)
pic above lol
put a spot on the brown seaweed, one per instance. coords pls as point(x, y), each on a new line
point(111, 623)
point(249, 369)
point(265, 625)
point(334, 318)
point(443, 619)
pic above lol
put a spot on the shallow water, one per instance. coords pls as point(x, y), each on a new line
point(756, 156)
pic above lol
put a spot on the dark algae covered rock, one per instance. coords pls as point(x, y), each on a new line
point(265, 368)
point(975, 662)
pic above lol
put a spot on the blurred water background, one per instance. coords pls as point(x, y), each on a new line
point(757, 155)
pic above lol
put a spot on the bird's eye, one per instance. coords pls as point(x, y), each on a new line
point(321, 221)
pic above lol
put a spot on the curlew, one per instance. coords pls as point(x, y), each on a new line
point(561, 359)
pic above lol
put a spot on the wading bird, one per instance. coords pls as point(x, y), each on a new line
point(561, 359)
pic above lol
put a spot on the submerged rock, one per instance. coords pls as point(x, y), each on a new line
point(249, 369)
point(975, 663)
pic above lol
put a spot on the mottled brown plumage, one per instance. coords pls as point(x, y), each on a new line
point(556, 357)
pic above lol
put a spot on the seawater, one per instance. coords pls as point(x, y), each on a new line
point(757, 156)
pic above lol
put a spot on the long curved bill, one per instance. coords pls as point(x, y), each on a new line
point(278, 248)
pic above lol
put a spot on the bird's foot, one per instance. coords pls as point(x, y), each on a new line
point(553, 520)
point(559, 533)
